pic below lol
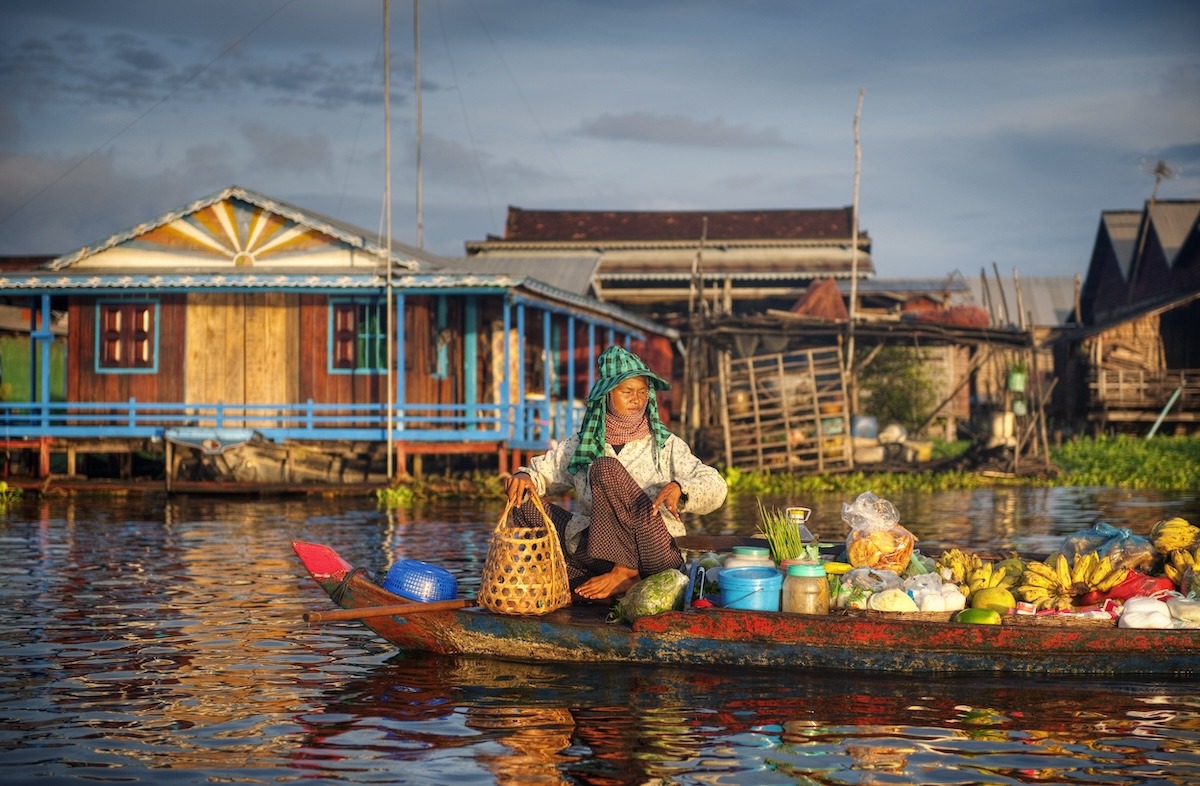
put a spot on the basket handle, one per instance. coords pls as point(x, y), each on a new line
point(537, 503)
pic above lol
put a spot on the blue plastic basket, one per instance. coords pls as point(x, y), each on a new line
point(421, 581)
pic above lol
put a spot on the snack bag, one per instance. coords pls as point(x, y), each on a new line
point(876, 539)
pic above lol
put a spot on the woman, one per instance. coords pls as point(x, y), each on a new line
point(632, 478)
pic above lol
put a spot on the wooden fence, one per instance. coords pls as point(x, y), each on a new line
point(1137, 395)
point(785, 411)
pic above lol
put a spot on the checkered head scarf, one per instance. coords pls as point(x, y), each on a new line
point(616, 364)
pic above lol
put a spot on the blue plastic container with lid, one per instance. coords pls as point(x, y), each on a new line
point(420, 581)
point(750, 587)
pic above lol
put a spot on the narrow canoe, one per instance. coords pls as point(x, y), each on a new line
point(730, 637)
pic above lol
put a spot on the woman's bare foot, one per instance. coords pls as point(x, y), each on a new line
point(608, 585)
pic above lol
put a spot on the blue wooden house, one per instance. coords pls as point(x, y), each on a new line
point(249, 341)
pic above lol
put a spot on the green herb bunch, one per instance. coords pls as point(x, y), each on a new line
point(783, 536)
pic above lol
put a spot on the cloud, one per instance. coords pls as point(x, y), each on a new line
point(678, 130)
point(100, 201)
point(128, 70)
point(278, 151)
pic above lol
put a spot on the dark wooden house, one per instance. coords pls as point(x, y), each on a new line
point(1135, 361)
point(246, 340)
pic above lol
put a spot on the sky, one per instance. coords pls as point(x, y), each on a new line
point(992, 134)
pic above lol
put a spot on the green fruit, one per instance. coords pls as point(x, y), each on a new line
point(997, 598)
point(978, 616)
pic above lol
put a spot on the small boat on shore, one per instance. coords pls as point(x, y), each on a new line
point(849, 641)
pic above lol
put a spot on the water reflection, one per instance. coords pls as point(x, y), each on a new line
point(619, 724)
point(147, 637)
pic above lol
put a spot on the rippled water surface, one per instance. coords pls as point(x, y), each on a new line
point(160, 641)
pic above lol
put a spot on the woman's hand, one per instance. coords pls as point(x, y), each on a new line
point(517, 486)
point(669, 495)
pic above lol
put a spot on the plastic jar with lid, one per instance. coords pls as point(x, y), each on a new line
point(749, 556)
point(805, 589)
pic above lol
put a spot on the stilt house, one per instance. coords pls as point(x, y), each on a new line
point(242, 340)
point(1135, 363)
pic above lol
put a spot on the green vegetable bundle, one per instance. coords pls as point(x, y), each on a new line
point(782, 535)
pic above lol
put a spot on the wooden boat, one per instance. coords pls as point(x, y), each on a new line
point(867, 641)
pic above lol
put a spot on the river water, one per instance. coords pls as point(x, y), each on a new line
point(155, 640)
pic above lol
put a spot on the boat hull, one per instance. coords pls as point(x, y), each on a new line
point(757, 639)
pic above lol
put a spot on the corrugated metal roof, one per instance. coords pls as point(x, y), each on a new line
point(908, 286)
point(1173, 221)
point(1048, 301)
point(570, 273)
point(1122, 228)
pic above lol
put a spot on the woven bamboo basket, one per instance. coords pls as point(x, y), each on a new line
point(1058, 621)
point(525, 571)
point(900, 616)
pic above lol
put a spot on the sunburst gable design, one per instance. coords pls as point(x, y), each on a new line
point(237, 228)
point(235, 231)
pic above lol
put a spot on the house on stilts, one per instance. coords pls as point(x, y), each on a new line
point(242, 342)
point(1134, 362)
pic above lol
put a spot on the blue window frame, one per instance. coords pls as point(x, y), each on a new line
point(127, 337)
point(357, 336)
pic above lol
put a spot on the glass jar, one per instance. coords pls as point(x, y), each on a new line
point(805, 589)
point(749, 556)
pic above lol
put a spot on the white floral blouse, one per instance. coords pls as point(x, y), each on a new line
point(703, 486)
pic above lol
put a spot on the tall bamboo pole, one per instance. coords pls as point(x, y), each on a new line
point(850, 375)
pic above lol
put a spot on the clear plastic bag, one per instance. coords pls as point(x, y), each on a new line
point(876, 539)
point(652, 595)
point(1125, 549)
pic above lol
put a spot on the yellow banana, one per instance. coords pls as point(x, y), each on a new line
point(1113, 579)
point(1100, 572)
point(1038, 580)
point(1084, 563)
point(1174, 534)
point(1041, 569)
point(1033, 594)
point(1061, 603)
point(1078, 570)
point(1063, 569)
point(997, 577)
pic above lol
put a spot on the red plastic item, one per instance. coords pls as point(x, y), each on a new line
point(1139, 585)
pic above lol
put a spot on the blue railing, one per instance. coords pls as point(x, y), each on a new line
point(529, 426)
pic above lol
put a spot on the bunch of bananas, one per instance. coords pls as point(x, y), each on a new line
point(1174, 534)
point(1056, 584)
point(1013, 566)
point(1179, 562)
point(972, 573)
point(956, 565)
point(986, 576)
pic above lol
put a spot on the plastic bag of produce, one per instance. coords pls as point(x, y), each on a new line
point(1145, 613)
point(652, 595)
point(1125, 549)
point(872, 580)
point(876, 539)
point(1086, 540)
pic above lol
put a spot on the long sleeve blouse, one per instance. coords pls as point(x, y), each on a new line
point(703, 486)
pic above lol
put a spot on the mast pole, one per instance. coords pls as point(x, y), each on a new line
point(417, 72)
point(387, 254)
